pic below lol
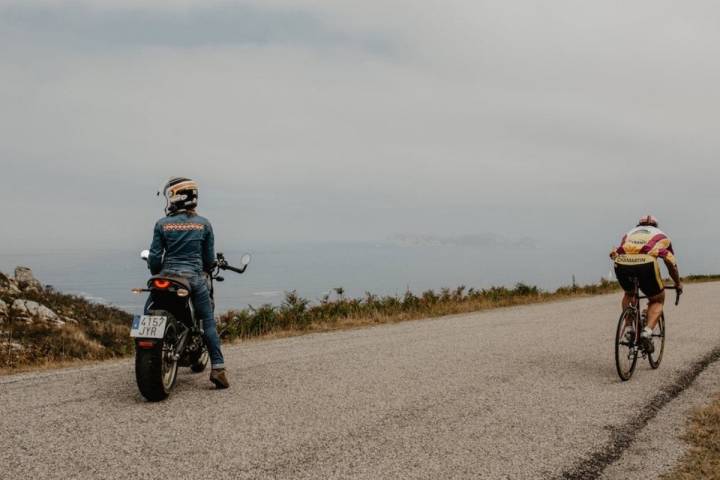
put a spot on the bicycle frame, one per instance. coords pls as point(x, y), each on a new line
point(630, 348)
point(635, 305)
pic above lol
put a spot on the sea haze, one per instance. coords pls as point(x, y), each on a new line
point(314, 269)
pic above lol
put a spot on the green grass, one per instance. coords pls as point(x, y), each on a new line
point(102, 332)
point(298, 314)
point(701, 278)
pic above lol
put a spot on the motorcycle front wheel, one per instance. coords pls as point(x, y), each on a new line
point(199, 364)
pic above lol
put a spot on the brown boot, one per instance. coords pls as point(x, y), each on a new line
point(218, 377)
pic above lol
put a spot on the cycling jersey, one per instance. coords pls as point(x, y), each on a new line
point(644, 241)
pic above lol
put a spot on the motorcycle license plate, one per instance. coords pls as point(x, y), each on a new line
point(148, 326)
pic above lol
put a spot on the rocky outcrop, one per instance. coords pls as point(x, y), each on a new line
point(25, 279)
point(22, 309)
point(30, 311)
point(39, 324)
point(8, 285)
point(4, 282)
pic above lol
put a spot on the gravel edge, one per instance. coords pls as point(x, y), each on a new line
point(623, 438)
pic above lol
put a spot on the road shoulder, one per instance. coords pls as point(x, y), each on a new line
point(659, 447)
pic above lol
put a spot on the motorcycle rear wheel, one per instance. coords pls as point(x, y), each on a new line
point(156, 368)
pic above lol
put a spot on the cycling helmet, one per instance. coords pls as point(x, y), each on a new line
point(181, 195)
point(647, 221)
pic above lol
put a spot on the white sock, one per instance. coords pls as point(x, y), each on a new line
point(647, 332)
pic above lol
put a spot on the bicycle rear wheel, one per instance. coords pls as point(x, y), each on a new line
point(626, 351)
point(658, 338)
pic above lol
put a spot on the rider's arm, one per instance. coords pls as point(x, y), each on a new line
point(208, 249)
point(674, 272)
point(668, 256)
point(618, 250)
point(156, 250)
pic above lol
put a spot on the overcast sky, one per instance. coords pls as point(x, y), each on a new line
point(358, 120)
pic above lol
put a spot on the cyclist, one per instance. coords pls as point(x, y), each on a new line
point(637, 257)
point(183, 244)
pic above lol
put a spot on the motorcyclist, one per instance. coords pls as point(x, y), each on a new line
point(183, 244)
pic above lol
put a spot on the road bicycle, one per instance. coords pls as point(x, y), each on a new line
point(627, 338)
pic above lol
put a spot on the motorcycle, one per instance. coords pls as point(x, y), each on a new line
point(169, 335)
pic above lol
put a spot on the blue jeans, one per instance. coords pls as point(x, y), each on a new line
point(203, 306)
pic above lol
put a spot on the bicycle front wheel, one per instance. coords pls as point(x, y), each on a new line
point(658, 339)
point(626, 340)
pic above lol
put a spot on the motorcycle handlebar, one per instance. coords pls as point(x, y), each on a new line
point(232, 269)
point(222, 264)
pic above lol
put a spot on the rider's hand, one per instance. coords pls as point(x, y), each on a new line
point(679, 288)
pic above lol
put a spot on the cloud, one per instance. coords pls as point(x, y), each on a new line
point(486, 240)
point(81, 26)
point(560, 119)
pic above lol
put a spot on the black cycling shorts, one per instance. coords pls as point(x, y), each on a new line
point(643, 267)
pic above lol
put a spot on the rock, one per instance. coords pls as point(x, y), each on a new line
point(25, 279)
point(70, 320)
point(28, 309)
point(17, 347)
point(14, 347)
point(8, 285)
point(3, 309)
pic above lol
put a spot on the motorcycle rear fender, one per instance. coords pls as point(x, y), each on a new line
point(172, 305)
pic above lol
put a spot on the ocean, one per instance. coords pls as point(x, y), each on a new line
point(314, 269)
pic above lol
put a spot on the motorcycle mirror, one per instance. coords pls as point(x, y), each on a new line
point(145, 254)
point(245, 260)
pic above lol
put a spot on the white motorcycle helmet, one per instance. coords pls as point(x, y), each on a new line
point(181, 195)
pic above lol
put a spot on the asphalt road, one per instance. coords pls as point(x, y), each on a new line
point(525, 392)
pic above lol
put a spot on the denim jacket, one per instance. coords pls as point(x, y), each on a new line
point(182, 243)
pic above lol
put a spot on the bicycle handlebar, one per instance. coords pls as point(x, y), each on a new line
point(677, 293)
point(636, 282)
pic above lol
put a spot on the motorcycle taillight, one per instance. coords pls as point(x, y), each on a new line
point(161, 284)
